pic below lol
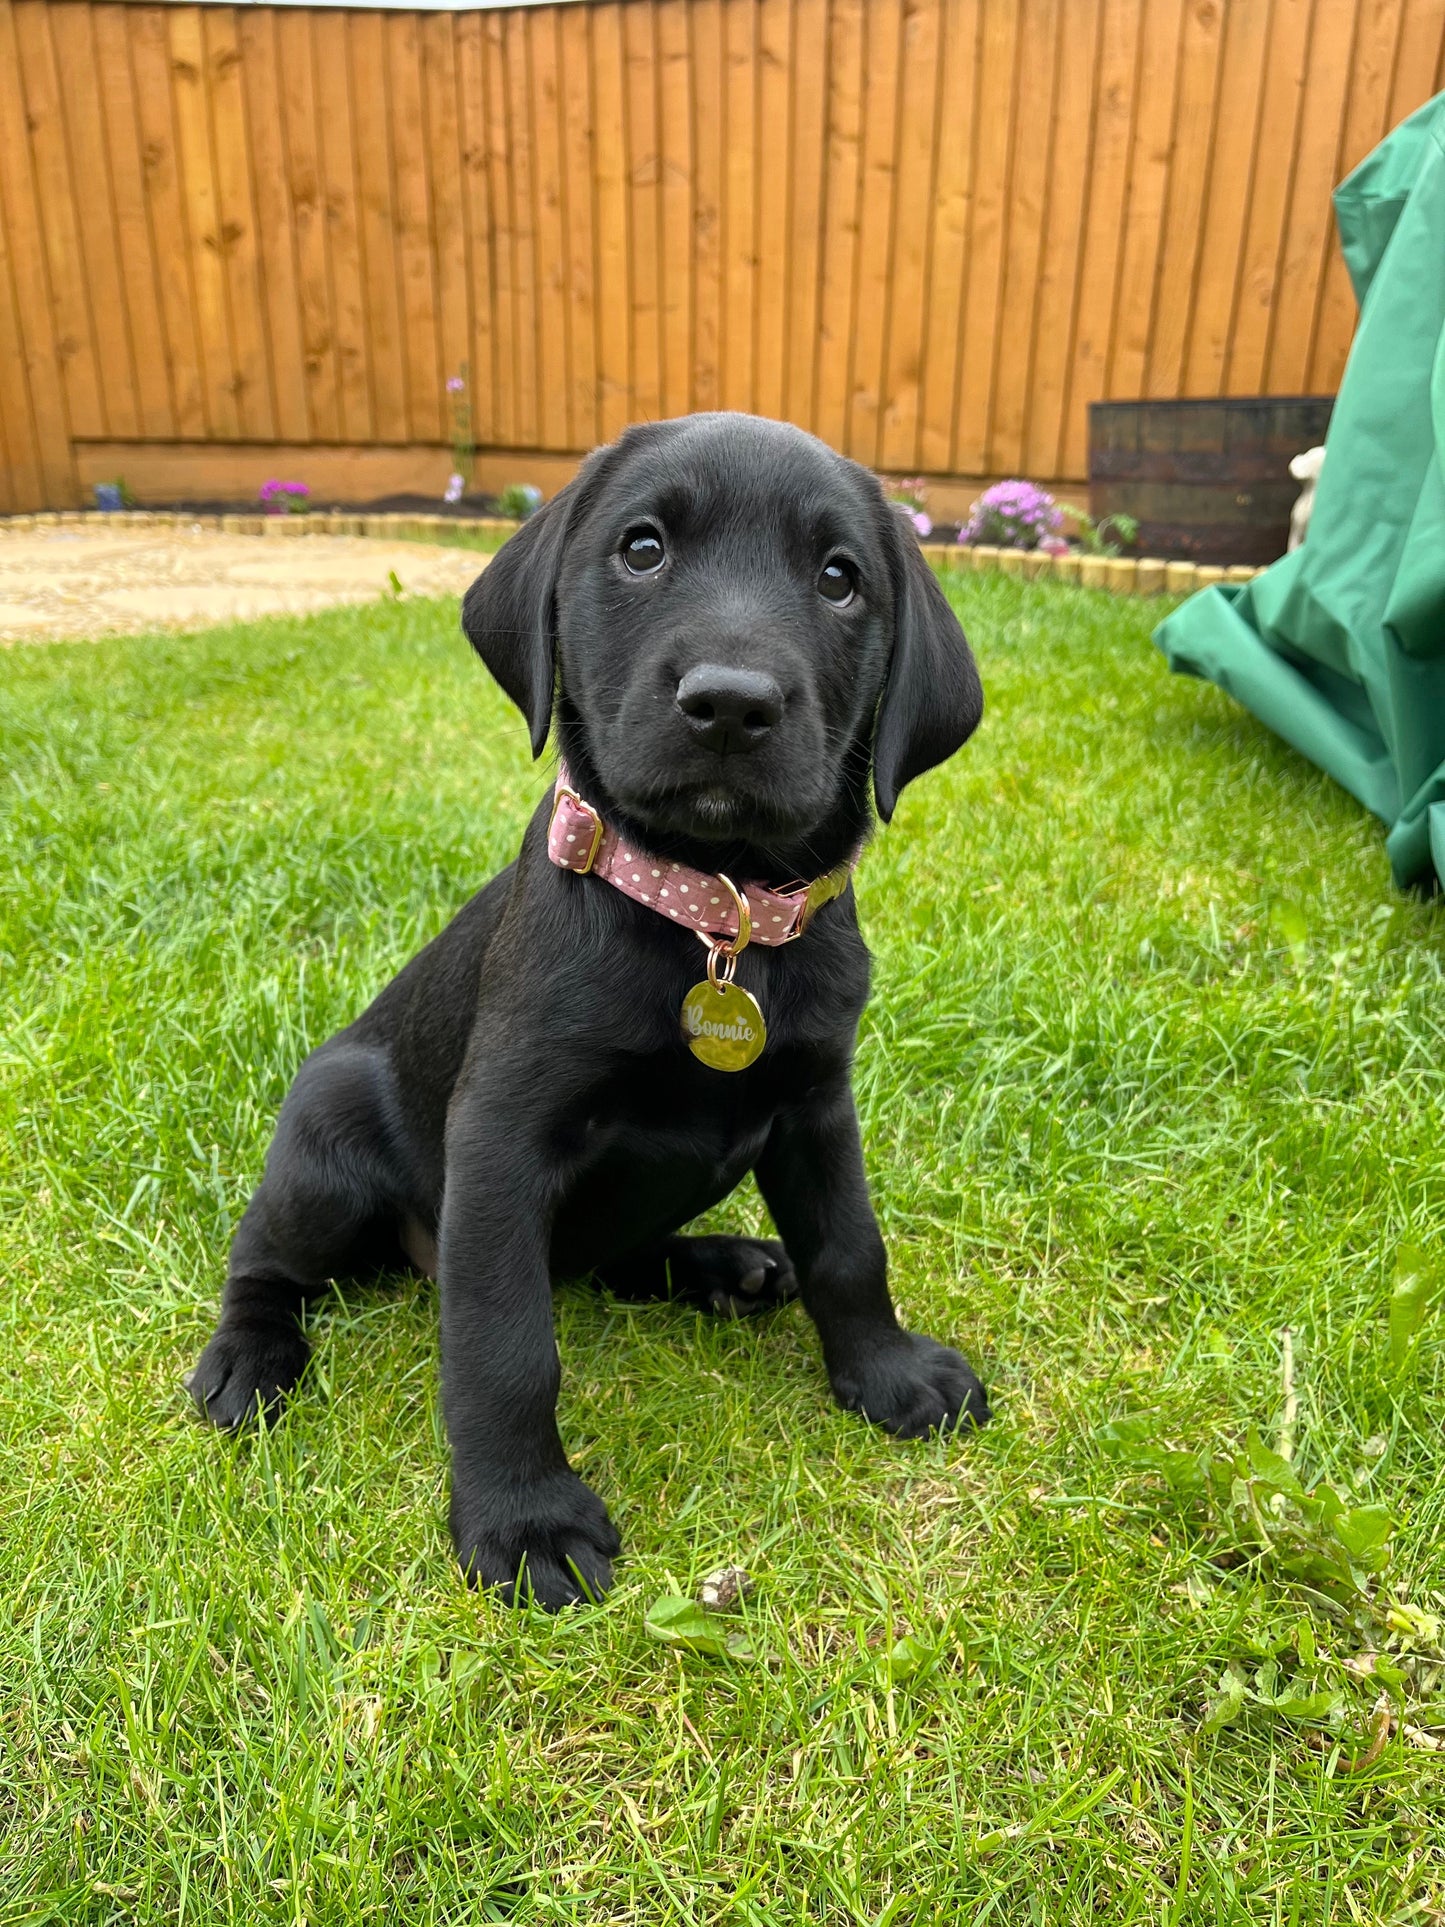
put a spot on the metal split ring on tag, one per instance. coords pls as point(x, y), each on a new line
point(722, 1023)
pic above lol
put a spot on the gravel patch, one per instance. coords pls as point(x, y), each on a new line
point(69, 583)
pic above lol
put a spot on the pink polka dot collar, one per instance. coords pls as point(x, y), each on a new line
point(579, 840)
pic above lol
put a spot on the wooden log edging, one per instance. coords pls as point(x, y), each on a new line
point(1115, 574)
point(395, 527)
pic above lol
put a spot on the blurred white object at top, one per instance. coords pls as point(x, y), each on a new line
point(1304, 468)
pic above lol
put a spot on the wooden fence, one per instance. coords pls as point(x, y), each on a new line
point(240, 242)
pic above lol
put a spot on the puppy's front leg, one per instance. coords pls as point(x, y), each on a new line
point(812, 1180)
point(521, 1519)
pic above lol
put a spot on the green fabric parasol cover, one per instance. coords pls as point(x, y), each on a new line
point(1340, 647)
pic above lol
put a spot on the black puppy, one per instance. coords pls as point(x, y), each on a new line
point(733, 629)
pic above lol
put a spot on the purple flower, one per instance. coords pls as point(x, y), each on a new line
point(1014, 515)
point(280, 497)
point(455, 384)
point(923, 522)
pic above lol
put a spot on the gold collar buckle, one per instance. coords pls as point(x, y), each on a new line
point(822, 891)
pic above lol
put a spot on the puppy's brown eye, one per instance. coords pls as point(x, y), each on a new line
point(838, 582)
point(642, 550)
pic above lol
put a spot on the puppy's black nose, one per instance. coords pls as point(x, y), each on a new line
point(729, 709)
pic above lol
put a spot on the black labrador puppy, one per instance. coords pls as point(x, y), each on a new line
point(734, 632)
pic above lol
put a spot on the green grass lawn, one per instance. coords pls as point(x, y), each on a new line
point(1151, 1073)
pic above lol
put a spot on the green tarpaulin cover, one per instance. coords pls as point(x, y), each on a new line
point(1340, 646)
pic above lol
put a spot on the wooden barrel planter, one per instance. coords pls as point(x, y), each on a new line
point(1207, 481)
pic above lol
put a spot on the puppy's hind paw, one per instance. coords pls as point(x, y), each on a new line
point(245, 1373)
point(733, 1277)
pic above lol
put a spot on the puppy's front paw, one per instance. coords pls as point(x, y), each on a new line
point(246, 1371)
point(911, 1386)
point(548, 1539)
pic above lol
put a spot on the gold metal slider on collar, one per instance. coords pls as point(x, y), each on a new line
point(598, 826)
point(822, 891)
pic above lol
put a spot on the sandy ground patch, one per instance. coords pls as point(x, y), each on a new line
point(81, 583)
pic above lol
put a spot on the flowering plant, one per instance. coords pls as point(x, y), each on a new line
point(284, 498)
point(519, 500)
point(1014, 515)
point(1098, 538)
point(462, 447)
point(912, 495)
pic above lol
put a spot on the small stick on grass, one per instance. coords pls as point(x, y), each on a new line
point(1291, 1401)
point(1380, 1733)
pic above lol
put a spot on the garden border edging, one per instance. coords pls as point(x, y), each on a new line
point(1115, 574)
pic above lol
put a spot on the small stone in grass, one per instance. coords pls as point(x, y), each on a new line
point(724, 1588)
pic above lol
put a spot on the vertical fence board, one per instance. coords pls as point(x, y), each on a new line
point(931, 231)
point(277, 229)
point(203, 237)
point(998, 78)
point(1283, 97)
point(122, 161)
point(614, 253)
point(235, 181)
point(551, 186)
point(1200, 104)
point(480, 232)
point(1367, 106)
point(1309, 221)
point(709, 132)
point(951, 215)
point(381, 273)
point(444, 148)
point(414, 233)
point(575, 66)
point(305, 191)
point(918, 133)
point(1134, 306)
point(1231, 165)
point(804, 241)
point(842, 169)
point(1070, 166)
point(675, 157)
point(179, 340)
point(23, 480)
point(774, 99)
point(873, 295)
point(1422, 31)
point(643, 173)
point(1031, 172)
point(336, 142)
point(56, 198)
point(73, 43)
point(739, 203)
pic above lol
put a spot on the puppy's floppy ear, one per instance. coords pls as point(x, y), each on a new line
point(932, 699)
point(510, 612)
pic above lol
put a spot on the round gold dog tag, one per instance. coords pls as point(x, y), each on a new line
point(723, 1026)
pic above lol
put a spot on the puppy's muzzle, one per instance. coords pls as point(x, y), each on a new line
point(728, 710)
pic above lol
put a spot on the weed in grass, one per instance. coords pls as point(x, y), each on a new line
point(1123, 1127)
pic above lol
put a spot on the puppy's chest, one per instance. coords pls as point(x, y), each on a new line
point(666, 1109)
point(653, 1148)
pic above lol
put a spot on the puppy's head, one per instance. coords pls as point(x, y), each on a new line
point(734, 627)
